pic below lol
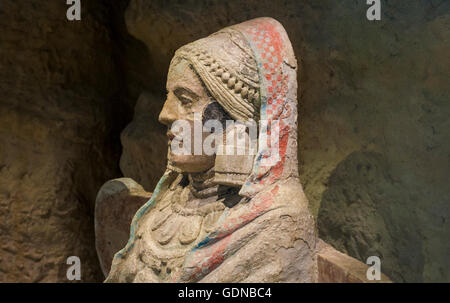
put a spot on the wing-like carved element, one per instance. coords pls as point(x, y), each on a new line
point(116, 203)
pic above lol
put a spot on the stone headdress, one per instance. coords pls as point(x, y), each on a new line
point(227, 66)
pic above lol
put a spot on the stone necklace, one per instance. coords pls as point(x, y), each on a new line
point(185, 215)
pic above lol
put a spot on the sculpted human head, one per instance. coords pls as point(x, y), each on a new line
point(201, 88)
point(186, 97)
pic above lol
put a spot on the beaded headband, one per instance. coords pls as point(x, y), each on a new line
point(231, 76)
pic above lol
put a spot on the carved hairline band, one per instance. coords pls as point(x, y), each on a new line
point(239, 99)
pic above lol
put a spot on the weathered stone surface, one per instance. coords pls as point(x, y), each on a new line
point(119, 199)
point(336, 267)
point(116, 203)
point(144, 143)
point(364, 210)
point(63, 104)
point(54, 131)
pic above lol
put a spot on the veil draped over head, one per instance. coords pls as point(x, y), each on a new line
point(250, 69)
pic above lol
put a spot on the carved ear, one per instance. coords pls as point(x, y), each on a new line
point(214, 111)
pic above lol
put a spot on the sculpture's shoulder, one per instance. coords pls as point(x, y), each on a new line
point(284, 204)
point(289, 195)
point(280, 230)
point(290, 212)
point(120, 188)
point(117, 202)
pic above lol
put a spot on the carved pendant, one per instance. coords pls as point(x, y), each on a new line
point(160, 218)
point(210, 221)
point(190, 229)
point(167, 230)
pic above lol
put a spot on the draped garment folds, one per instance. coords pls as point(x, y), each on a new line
point(269, 236)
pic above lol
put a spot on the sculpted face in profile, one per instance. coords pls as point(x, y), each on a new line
point(221, 216)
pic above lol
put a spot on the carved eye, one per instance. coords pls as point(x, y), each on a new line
point(185, 99)
point(185, 96)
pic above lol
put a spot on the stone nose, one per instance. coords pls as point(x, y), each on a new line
point(169, 113)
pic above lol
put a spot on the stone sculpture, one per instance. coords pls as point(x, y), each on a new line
point(224, 217)
point(227, 218)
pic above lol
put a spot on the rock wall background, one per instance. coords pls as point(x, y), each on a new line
point(374, 144)
point(64, 99)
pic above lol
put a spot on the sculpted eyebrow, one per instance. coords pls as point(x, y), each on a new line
point(185, 91)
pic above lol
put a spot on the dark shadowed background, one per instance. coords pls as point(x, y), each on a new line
point(374, 106)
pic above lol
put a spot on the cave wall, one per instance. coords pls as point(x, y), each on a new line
point(66, 93)
point(374, 144)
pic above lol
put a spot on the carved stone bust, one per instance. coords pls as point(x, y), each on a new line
point(228, 217)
